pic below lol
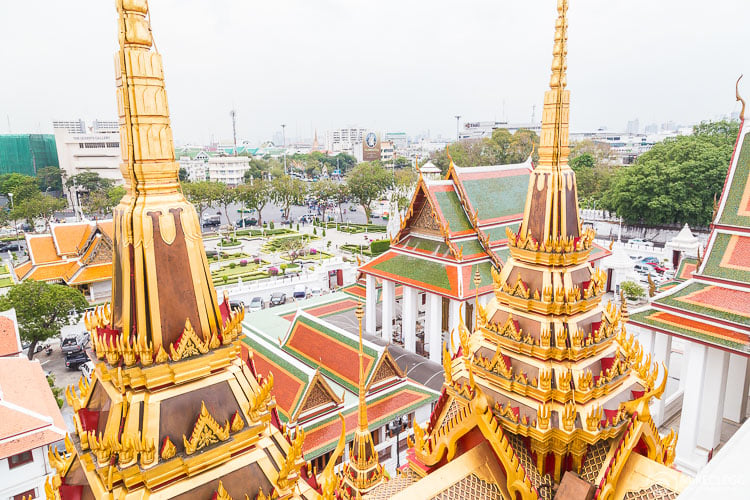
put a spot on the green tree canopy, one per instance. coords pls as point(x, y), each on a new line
point(202, 194)
point(677, 180)
point(22, 187)
point(287, 192)
point(102, 202)
point(367, 182)
point(502, 148)
point(89, 182)
point(42, 309)
point(49, 179)
point(255, 196)
point(39, 206)
point(404, 182)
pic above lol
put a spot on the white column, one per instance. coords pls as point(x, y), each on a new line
point(714, 391)
point(371, 300)
point(433, 331)
point(738, 382)
point(389, 298)
point(454, 316)
point(662, 351)
point(695, 355)
point(702, 406)
point(409, 319)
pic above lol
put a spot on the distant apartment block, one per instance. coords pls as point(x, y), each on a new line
point(196, 167)
point(344, 139)
point(228, 169)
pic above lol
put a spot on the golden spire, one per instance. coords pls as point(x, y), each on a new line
point(740, 99)
point(553, 147)
point(362, 403)
point(552, 195)
point(160, 271)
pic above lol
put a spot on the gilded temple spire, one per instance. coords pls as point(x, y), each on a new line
point(551, 212)
point(161, 277)
point(363, 472)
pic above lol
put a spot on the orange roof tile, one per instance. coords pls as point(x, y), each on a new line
point(49, 272)
point(29, 416)
point(107, 227)
point(42, 249)
point(22, 269)
point(9, 341)
point(67, 237)
point(91, 274)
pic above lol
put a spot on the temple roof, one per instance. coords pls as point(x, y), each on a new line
point(29, 415)
point(75, 254)
point(707, 301)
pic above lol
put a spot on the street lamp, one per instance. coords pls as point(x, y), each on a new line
point(458, 117)
point(398, 427)
point(283, 133)
point(15, 222)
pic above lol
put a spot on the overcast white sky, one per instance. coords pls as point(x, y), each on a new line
point(398, 65)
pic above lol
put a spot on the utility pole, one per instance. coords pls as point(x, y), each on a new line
point(283, 133)
point(458, 117)
point(233, 114)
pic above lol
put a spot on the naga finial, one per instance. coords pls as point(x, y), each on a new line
point(740, 99)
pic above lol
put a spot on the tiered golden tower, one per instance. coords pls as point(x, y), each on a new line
point(549, 377)
point(363, 472)
point(171, 411)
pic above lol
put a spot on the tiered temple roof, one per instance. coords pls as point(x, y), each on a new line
point(74, 254)
point(710, 303)
point(171, 410)
point(548, 394)
point(455, 226)
point(316, 377)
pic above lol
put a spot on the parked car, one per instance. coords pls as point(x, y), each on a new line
point(316, 291)
point(247, 221)
point(71, 344)
point(211, 220)
point(650, 260)
point(278, 298)
point(10, 246)
point(236, 304)
point(74, 360)
point(300, 292)
point(643, 268)
point(352, 208)
point(87, 369)
point(256, 304)
point(640, 241)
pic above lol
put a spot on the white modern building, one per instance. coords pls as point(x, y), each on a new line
point(228, 169)
point(197, 167)
point(344, 139)
point(88, 149)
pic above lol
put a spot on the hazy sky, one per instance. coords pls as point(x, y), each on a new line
point(399, 65)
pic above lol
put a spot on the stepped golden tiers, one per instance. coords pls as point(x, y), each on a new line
point(548, 395)
point(171, 410)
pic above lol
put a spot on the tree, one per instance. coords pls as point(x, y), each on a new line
point(42, 309)
point(225, 197)
point(324, 190)
point(49, 179)
point(40, 206)
point(340, 195)
point(287, 192)
point(261, 168)
point(403, 185)
point(367, 182)
point(22, 187)
point(202, 194)
point(255, 196)
point(102, 202)
point(593, 175)
point(676, 181)
point(89, 182)
point(502, 148)
point(183, 174)
point(293, 247)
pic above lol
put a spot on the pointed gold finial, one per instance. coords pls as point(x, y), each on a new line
point(560, 51)
point(359, 313)
point(740, 99)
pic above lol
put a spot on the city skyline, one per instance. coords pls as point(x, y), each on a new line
point(332, 64)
